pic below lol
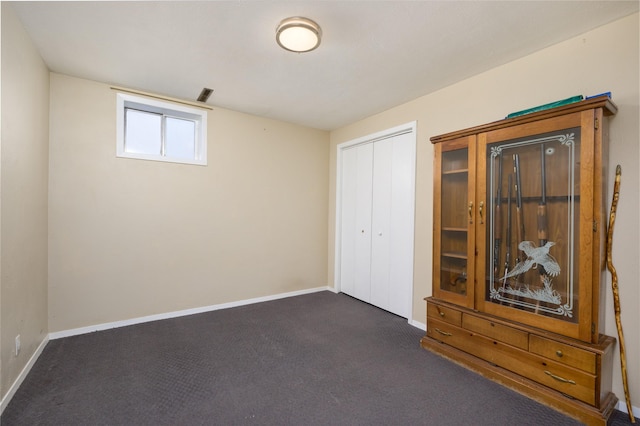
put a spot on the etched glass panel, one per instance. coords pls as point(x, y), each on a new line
point(534, 207)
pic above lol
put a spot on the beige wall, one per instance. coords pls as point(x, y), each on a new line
point(130, 238)
point(23, 176)
point(605, 59)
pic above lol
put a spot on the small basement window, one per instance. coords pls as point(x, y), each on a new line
point(150, 129)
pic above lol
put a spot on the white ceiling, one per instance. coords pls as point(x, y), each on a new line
point(374, 54)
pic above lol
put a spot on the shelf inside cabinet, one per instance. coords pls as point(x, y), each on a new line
point(455, 255)
point(455, 172)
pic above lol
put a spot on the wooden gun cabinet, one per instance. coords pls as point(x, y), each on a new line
point(518, 267)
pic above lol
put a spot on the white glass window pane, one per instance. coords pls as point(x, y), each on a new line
point(143, 132)
point(180, 138)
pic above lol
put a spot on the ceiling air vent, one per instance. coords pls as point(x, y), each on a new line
point(204, 95)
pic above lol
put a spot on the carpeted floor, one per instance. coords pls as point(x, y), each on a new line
point(317, 359)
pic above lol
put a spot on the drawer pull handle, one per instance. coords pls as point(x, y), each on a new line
point(444, 333)
point(559, 353)
point(558, 378)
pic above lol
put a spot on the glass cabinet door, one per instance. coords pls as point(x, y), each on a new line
point(536, 232)
point(454, 228)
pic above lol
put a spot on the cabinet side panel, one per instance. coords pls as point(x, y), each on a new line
point(601, 148)
point(588, 231)
point(437, 219)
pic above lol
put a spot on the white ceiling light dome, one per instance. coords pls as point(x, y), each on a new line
point(298, 34)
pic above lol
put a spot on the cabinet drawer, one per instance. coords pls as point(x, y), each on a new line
point(562, 353)
point(570, 381)
point(447, 333)
point(575, 383)
point(443, 313)
point(505, 334)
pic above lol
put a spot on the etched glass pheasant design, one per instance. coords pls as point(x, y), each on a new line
point(536, 256)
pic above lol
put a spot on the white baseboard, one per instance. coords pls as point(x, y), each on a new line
point(418, 324)
point(175, 314)
point(622, 406)
point(23, 374)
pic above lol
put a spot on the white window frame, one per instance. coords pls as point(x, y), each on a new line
point(199, 116)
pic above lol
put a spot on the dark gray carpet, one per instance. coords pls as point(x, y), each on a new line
point(317, 359)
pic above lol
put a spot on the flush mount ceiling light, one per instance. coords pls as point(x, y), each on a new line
point(298, 34)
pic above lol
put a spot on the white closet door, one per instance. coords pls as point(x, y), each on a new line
point(393, 224)
point(375, 221)
point(381, 221)
point(356, 195)
point(402, 225)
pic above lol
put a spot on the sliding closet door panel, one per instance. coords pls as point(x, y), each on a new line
point(348, 220)
point(363, 223)
point(381, 217)
point(357, 181)
point(392, 224)
point(401, 227)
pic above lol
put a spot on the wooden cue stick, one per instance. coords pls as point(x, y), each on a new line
point(616, 294)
